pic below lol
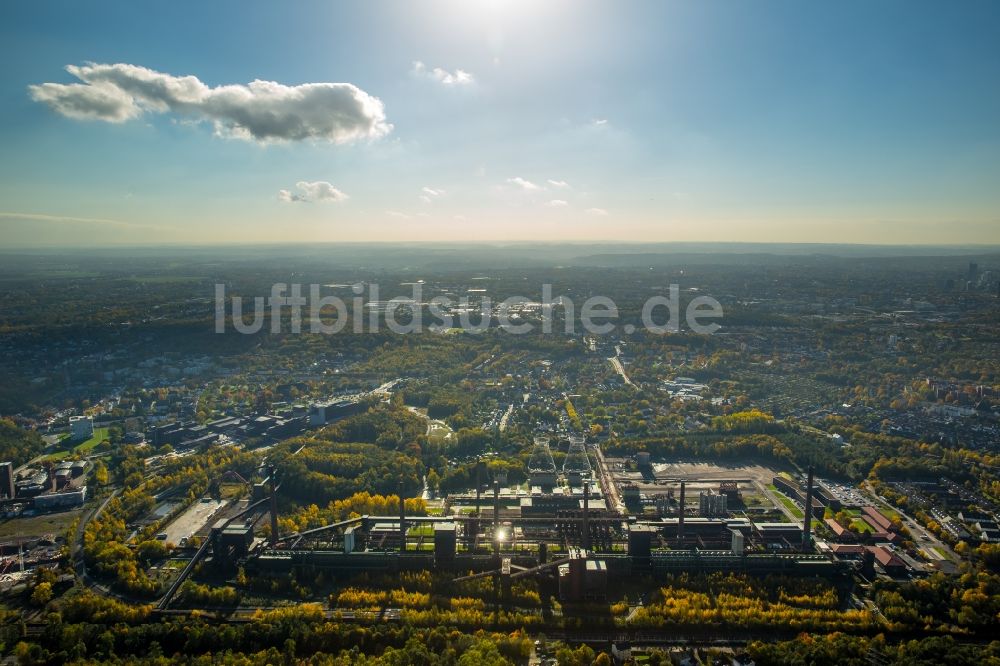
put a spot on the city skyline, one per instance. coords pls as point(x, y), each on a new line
point(489, 121)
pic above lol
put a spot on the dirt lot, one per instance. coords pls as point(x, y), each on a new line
point(193, 519)
point(699, 476)
point(36, 526)
point(692, 471)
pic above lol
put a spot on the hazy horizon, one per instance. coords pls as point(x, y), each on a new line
point(500, 121)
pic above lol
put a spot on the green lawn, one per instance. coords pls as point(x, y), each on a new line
point(861, 527)
point(421, 530)
point(891, 514)
point(100, 434)
point(796, 511)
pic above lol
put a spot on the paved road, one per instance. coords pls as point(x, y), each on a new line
point(620, 369)
point(506, 417)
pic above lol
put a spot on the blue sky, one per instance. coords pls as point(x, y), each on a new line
point(868, 122)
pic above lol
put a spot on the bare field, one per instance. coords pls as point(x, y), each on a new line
point(193, 519)
point(752, 479)
point(691, 471)
point(38, 526)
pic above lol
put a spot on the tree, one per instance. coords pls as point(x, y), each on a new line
point(42, 594)
point(484, 653)
point(100, 474)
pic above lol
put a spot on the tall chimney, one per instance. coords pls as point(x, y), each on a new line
point(586, 511)
point(807, 521)
point(479, 484)
point(496, 516)
point(273, 475)
point(402, 520)
point(680, 515)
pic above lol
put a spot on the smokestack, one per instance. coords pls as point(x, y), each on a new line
point(479, 484)
point(402, 520)
point(496, 517)
point(586, 510)
point(273, 474)
point(680, 515)
point(807, 521)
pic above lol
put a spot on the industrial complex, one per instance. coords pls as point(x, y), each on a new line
point(562, 528)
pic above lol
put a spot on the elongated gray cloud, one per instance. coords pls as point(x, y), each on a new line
point(263, 111)
point(74, 220)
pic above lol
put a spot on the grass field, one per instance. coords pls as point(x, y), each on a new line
point(789, 504)
point(421, 530)
point(33, 526)
point(861, 527)
point(795, 511)
point(100, 434)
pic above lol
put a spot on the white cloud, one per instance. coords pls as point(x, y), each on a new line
point(557, 203)
point(430, 194)
point(398, 215)
point(596, 211)
point(561, 184)
point(263, 111)
point(319, 190)
point(600, 121)
point(457, 78)
point(523, 184)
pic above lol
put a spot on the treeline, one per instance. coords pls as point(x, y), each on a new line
point(285, 635)
point(18, 445)
point(445, 358)
point(752, 421)
point(969, 602)
point(451, 400)
point(705, 445)
point(207, 595)
point(328, 471)
point(746, 601)
point(387, 426)
point(358, 504)
point(838, 649)
point(463, 477)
